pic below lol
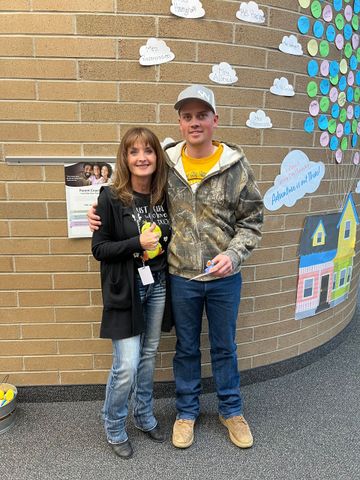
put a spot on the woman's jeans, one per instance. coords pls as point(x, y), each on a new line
point(133, 367)
point(221, 299)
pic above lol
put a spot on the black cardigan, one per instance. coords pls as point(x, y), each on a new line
point(122, 313)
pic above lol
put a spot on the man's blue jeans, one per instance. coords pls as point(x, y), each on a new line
point(133, 367)
point(221, 299)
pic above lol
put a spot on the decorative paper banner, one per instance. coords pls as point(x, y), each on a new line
point(223, 73)
point(298, 176)
point(291, 45)
point(167, 141)
point(327, 250)
point(155, 52)
point(282, 87)
point(250, 12)
point(83, 181)
point(258, 119)
point(187, 8)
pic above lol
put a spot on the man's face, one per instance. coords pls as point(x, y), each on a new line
point(87, 171)
point(197, 123)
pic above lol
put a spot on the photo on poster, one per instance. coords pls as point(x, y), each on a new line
point(327, 250)
point(83, 181)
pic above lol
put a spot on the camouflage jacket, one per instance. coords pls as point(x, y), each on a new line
point(223, 215)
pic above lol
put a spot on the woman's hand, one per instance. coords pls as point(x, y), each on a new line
point(149, 239)
point(93, 219)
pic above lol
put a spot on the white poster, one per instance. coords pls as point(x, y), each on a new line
point(83, 181)
point(155, 52)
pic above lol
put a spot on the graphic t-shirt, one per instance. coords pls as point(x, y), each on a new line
point(156, 259)
point(197, 168)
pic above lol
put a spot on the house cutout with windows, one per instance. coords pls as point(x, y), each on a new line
point(327, 249)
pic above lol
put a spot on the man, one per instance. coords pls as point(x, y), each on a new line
point(85, 177)
point(216, 213)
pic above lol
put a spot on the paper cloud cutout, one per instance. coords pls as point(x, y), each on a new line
point(155, 52)
point(298, 176)
point(250, 12)
point(258, 119)
point(281, 86)
point(187, 8)
point(357, 189)
point(223, 73)
point(291, 45)
point(167, 141)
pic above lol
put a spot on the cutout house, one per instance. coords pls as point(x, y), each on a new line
point(326, 252)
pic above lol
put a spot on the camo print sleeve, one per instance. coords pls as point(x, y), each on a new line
point(249, 220)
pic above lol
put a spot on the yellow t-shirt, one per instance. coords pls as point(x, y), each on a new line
point(197, 168)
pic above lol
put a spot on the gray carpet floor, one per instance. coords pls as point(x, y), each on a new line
point(306, 426)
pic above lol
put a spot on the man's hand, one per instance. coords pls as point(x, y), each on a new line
point(222, 266)
point(93, 219)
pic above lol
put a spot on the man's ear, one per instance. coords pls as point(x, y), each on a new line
point(216, 120)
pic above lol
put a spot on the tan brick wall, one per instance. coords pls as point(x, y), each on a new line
point(71, 84)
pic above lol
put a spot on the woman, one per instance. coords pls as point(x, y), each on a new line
point(131, 245)
point(96, 177)
point(106, 172)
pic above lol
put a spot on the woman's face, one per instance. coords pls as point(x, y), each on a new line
point(141, 160)
point(96, 170)
point(104, 171)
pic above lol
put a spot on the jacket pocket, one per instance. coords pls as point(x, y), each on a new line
point(116, 288)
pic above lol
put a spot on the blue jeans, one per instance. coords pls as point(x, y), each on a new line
point(221, 299)
point(133, 367)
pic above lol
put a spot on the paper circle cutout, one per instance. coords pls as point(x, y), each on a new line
point(334, 143)
point(337, 5)
point(324, 139)
point(344, 144)
point(350, 78)
point(335, 110)
point(338, 156)
point(330, 33)
point(339, 41)
point(316, 9)
point(327, 13)
point(354, 125)
point(355, 23)
point(332, 125)
point(347, 128)
point(334, 94)
point(343, 66)
point(348, 50)
point(350, 112)
point(342, 116)
point(348, 12)
point(334, 68)
point(309, 125)
point(334, 80)
point(312, 89)
point(350, 94)
point(304, 3)
point(314, 108)
point(354, 140)
point(342, 83)
point(312, 68)
point(318, 29)
point(356, 158)
point(353, 62)
point(324, 104)
point(355, 40)
point(324, 68)
point(324, 48)
point(348, 32)
point(324, 86)
point(323, 122)
point(339, 130)
point(312, 47)
point(303, 24)
point(339, 21)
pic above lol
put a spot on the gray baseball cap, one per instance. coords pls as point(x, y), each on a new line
point(196, 92)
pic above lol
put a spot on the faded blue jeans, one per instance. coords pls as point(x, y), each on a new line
point(133, 367)
point(221, 299)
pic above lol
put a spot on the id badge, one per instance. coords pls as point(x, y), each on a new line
point(146, 275)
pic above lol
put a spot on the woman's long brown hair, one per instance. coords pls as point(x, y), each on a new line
point(122, 177)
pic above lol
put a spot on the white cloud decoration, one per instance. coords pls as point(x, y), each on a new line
point(155, 52)
point(258, 119)
point(223, 73)
point(298, 176)
point(250, 12)
point(282, 87)
point(291, 45)
point(187, 8)
point(167, 141)
point(357, 189)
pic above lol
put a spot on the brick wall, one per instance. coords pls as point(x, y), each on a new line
point(70, 85)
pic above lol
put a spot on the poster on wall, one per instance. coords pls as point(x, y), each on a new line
point(327, 250)
point(83, 181)
point(298, 176)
